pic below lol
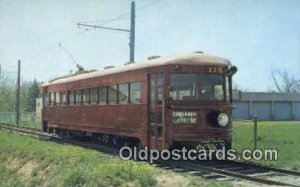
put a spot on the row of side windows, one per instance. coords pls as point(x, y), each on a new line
point(119, 93)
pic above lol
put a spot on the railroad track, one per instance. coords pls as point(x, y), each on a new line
point(217, 170)
point(29, 132)
point(35, 133)
point(232, 170)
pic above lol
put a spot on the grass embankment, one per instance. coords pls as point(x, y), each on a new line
point(30, 162)
point(281, 135)
point(26, 161)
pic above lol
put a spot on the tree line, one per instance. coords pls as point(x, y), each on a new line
point(29, 91)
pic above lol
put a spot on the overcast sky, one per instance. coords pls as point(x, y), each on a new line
point(255, 35)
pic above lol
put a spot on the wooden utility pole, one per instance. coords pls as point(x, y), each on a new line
point(18, 94)
point(131, 31)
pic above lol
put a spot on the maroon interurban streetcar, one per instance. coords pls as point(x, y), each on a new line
point(162, 103)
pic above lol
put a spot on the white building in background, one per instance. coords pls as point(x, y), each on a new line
point(38, 106)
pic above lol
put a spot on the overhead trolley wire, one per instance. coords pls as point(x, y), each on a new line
point(122, 16)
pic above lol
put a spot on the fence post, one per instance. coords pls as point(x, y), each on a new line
point(255, 131)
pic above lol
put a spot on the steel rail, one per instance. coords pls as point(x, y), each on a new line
point(224, 172)
point(29, 132)
point(278, 170)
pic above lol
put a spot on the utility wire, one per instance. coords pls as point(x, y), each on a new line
point(106, 21)
point(148, 5)
point(122, 16)
point(114, 19)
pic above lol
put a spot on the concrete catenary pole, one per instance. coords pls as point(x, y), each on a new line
point(132, 33)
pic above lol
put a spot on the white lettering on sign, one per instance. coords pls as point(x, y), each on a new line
point(184, 117)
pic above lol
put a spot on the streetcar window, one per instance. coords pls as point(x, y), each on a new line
point(94, 95)
point(103, 95)
point(52, 98)
point(63, 98)
point(43, 99)
point(86, 96)
point(123, 93)
point(135, 92)
point(160, 93)
point(78, 97)
point(212, 87)
point(112, 93)
point(71, 98)
point(160, 89)
point(160, 81)
point(57, 98)
point(48, 100)
point(227, 89)
point(183, 86)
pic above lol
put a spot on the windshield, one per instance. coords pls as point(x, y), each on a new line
point(197, 87)
point(184, 86)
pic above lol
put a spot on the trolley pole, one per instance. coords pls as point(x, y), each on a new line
point(132, 33)
point(255, 131)
point(18, 94)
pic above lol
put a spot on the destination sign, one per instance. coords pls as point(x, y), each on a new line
point(184, 117)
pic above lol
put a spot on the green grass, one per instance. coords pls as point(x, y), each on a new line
point(281, 135)
point(30, 162)
point(27, 161)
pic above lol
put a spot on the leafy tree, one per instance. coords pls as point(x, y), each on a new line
point(32, 95)
point(7, 93)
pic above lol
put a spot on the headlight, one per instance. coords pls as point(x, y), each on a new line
point(223, 119)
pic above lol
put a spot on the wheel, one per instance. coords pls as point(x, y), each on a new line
point(45, 127)
point(140, 146)
point(228, 144)
point(50, 130)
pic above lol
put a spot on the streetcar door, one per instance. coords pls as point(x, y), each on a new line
point(156, 127)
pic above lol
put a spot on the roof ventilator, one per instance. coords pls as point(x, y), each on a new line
point(109, 67)
point(153, 57)
point(128, 63)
